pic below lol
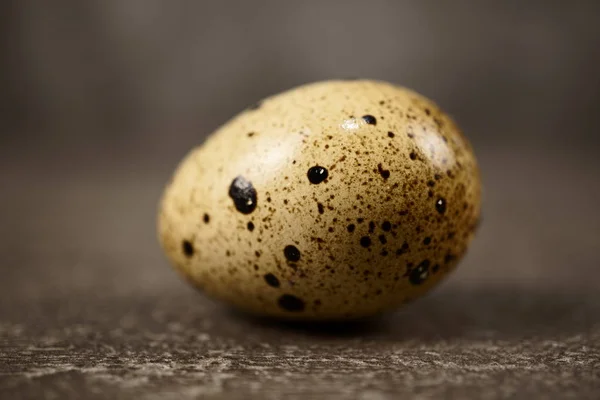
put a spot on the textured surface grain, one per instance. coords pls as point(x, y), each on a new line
point(334, 199)
point(90, 309)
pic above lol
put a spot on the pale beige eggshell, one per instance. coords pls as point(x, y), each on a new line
point(396, 213)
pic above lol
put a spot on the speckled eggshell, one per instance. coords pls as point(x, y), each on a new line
point(336, 199)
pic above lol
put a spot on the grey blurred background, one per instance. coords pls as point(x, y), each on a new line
point(150, 72)
point(100, 99)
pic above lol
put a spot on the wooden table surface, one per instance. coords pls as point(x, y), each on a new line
point(89, 307)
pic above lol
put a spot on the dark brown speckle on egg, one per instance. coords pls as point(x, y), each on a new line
point(271, 280)
point(365, 241)
point(291, 303)
point(188, 248)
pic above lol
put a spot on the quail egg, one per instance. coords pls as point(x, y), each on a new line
point(333, 200)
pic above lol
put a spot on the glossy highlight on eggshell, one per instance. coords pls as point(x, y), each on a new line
point(333, 200)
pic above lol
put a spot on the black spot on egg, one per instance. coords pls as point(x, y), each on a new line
point(291, 253)
point(271, 280)
point(365, 241)
point(317, 174)
point(420, 273)
point(382, 239)
point(206, 218)
point(440, 205)
point(291, 303)
point(385, 174)
point(402, 249)
point(188, 248)
point(250, 226)
point(351, 228)
point(369, 119)
point(427, 241)
point(391, 134)
point(243, 195)
point(386, 226)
